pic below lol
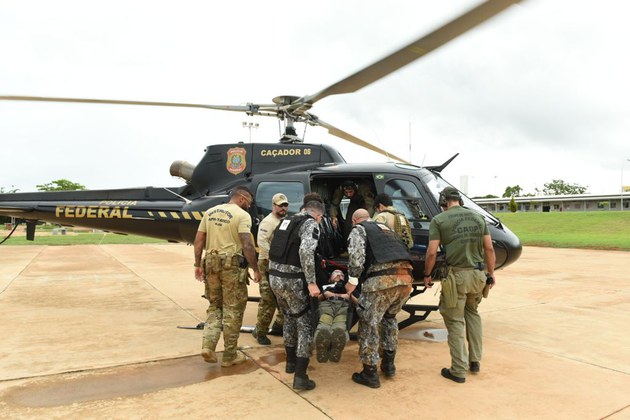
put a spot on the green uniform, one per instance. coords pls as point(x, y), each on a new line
point(226, 282)
point(267, 304)
point(461, 232)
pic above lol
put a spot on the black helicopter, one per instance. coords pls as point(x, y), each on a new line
point(289, 166)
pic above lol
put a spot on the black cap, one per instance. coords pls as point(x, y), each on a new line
point(451, 193)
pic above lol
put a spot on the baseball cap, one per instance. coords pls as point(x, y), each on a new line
point(451, 192)
point(279, 199)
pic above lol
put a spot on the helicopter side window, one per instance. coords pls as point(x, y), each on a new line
point(266, 190)
point(407, 199)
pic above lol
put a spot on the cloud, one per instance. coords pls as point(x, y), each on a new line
point(537, 93)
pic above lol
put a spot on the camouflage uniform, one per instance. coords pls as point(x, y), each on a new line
point(292, 295)
point(225, 281)
point(267, 304)
point(382, 297)
point(226, 291)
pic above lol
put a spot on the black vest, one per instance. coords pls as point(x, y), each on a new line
point(383, 245)
point(285, 245)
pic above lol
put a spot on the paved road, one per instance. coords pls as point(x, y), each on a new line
point(90, 332)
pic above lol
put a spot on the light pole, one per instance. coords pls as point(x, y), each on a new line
point(623, 162)
point(249, 126)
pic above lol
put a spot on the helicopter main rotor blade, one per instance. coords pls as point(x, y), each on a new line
point(411, 52)
point(249, 108)
point(355, 140)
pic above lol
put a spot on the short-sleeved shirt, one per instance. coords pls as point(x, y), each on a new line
point(265, 234)
point(222, 225)
point(386, 218)
point(461, 232)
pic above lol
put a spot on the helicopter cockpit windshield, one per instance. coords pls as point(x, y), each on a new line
point(436, 184)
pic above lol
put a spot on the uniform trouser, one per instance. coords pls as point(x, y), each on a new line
point(267, 304)
point(463, 322)
point(333, 315)
point(293, 299)
point(226, 291)
point(379, 308)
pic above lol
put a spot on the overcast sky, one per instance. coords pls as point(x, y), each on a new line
point(539, 92)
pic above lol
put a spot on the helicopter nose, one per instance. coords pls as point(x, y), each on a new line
point(507, 246)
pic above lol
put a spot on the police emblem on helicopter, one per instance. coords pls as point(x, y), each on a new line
point(236, 162)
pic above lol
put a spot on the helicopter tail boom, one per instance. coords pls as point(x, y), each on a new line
point(143, 211)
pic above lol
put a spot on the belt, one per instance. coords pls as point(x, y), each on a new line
point(287, 275)
point(237, 258)
point(336, 298)
point(479, 266)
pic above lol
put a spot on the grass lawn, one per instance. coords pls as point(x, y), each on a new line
point(19, 238)
point(593, 230)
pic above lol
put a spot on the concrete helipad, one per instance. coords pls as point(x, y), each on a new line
point(90, 332)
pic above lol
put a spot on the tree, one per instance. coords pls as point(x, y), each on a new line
point(512, 205)
point(60, 185)
point(514, 191)
point(6, 219)
point(486, 196)
point(9, 191)
point(559, 187)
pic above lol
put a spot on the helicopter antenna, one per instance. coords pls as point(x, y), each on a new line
point(410, 156)
point(378, 140)
point(187, 201)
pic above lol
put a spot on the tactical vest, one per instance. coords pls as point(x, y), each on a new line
point(402, 228)
point(382, 245)
point(285, 245)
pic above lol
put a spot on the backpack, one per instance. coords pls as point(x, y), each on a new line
point(402, 228)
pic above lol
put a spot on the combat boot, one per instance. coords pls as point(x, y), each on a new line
point(261, 338)
point(291, 356)
point(301, 379)
point(240, 358)
point(322, 344)
point(368, 377)
point(276, 330)
point(387, 363)
point(337, 344)
point(209, 356)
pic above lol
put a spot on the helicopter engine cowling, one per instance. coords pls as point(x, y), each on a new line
point(182, 169)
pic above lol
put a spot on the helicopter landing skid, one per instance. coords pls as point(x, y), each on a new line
point(194, 327)
point(412, 309)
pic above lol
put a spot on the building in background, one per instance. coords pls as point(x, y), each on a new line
point(549, 203)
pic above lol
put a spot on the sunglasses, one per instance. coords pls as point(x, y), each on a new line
point(248, 199)
point(282, 205)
